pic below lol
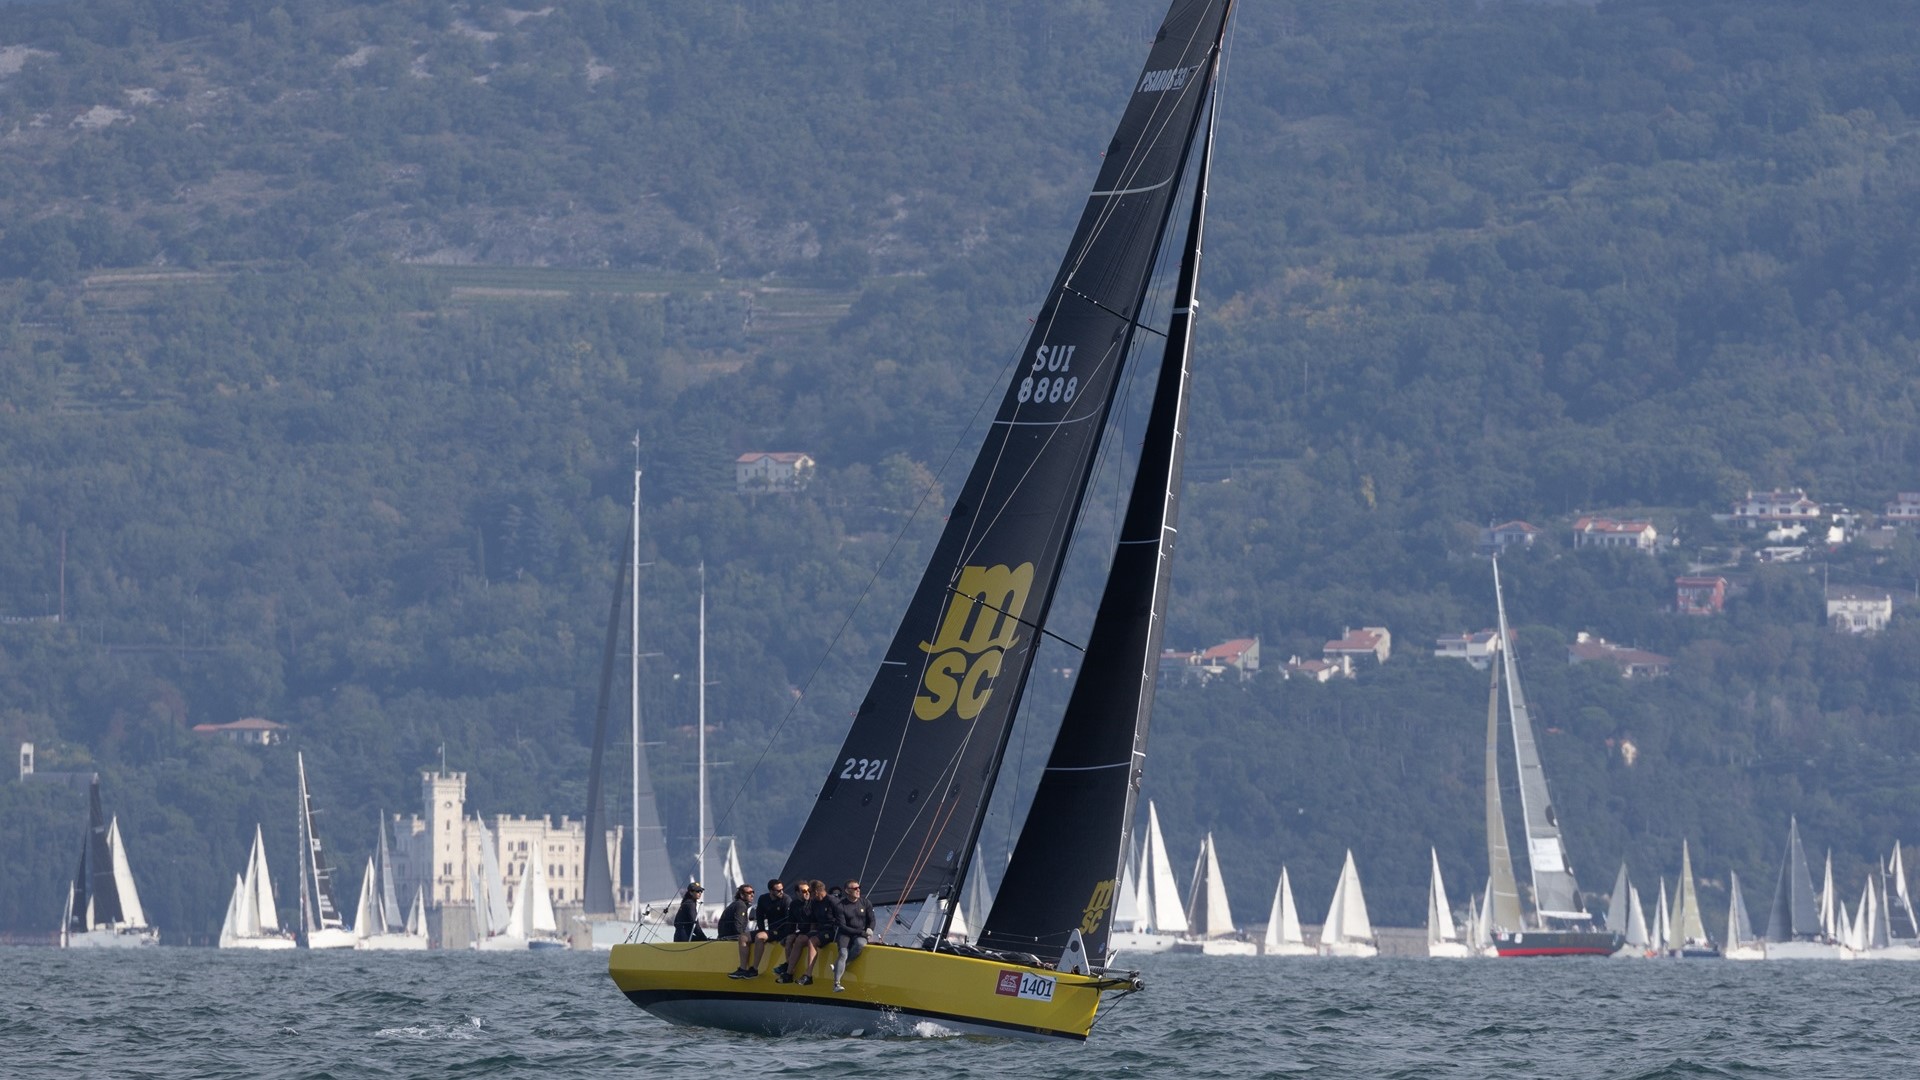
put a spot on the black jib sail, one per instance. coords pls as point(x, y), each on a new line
point(1065, 870)
point(1795, 915)
point(96, 900)
point(904, 797)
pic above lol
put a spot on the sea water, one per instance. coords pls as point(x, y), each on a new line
point(204, 1013)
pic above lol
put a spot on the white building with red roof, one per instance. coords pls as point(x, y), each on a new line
point(1373, 643)
point(1606, 532)
point(1775, 508)
point(767, 470)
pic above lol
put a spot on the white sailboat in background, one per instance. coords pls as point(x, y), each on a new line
point(532, 918)
point(1689, 940)
point(493, 923)
point(103, 905)
point(1741, 943)
point(1622, 910)
point(1162, 917)
point(379, 923)
point(1284, 936)
point(1443, 938)
point(252, 922)
point(1662, 922)
point(1899, 934)
point(1348, 931)
point(1797, 928)
point(321, 924)
point(1212, 932)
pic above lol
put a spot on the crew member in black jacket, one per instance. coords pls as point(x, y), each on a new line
point(736, 924)
point(853, 921)
point(812, 923)
point(686, 921)
point(770, 921)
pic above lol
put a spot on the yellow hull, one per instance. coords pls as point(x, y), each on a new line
point(889, 991)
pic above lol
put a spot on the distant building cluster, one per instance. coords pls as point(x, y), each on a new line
point(1240, 657)
point(1477, 649)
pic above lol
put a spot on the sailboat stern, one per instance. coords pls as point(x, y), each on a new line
point(890, 991)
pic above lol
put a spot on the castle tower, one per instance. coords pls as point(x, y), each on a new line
point(445, 795)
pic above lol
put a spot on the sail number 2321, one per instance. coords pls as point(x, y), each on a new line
point(863, 768)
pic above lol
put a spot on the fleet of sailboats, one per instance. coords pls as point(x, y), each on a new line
point(378, 923)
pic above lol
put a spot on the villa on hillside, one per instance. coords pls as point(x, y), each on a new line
point(1367, 643)
point(763, 471)
point(1904, 509)
point(1699, 595)
point(1856, 610)
point(1498, 538)
point(1605, 532)
point(252, 730)
point(1240, 656)
point(1476, 649)
point(1633, 663)
point(1775, 508)
point(1317, 670)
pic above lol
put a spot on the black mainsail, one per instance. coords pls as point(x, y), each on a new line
point(904, 798)
point(1796, 914)
point(1066, 865)
point(96, 894)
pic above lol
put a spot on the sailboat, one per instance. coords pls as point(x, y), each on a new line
point(1348, 931)
point(321, 924)
point(1163, 916)
point(1689, 940)
point(1900, 928)
point(494, 923)
point(252, 922)
point(1210, 920)
point(1284, 936)
point(1794, 928)
point(904, 799)
point(1562, 926)
point(378, 923)
point(1443, 937)
point(103, 905)
point(654, 890)
point(531, 920)
point(1741, 942)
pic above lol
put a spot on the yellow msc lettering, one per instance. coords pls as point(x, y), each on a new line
point(1096, 911)
point(939, 685)
point(989, 599)
point(972, 698)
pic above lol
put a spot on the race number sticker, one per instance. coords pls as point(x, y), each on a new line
point(1023, 984)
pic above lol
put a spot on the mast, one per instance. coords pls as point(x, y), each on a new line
point(1555, 893)
point(1073, 845)
point(1503, 895)
point(700, 859)
point(307, 905)
point(596, 896)
point(633, 678)
point(902, 804)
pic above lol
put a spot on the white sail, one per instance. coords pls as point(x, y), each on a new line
point(1283, 920)
point(1439, 914)
point(1637, 935)
point(367, 919)
point(1688, 927)
point(1207, 910)
point(980, 898)
point(1126, 909)
point(1617, 905)
point(1739, 926)
point(417, 918)
point(519, 916)
point(263, 918)
point(231, 925)
point(389, 902)
point(1663, 921)
point(1483, 933)
point(1347, 921)
point(731, 876)
point(132, 916)
point(1164, 912)
point(540, 917)
point(1830, 913)
point(498, 918)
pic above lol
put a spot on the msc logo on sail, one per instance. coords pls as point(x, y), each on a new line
point(980, 625)
point(1096, 909)
point(1166, 79)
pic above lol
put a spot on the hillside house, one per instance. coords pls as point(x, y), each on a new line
point(1633, 663)
point(1495, 539)
point(1317, 670)
point(1699, 595)
point(1476, 649)
point(1241, 656)
point(1367, 643)
point(1904, 509)
point(1605, 532)
point(1772, 508)
point(763, 471)
point(1855, 610)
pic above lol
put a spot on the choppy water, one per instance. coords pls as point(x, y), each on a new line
point(202, 1013)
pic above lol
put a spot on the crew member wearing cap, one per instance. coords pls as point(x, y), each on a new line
point(686, 921)
point(736, 924)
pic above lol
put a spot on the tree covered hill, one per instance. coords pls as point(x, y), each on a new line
point(327, 329)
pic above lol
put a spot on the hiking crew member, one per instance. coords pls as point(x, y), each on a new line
point(686, 921)
point(736, 924)
point(811, 923)
point(853, 921)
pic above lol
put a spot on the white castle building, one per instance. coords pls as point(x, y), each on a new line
point(440, 853)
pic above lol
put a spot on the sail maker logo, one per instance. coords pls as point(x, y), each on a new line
point(981, 624)
point(1166, 79)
